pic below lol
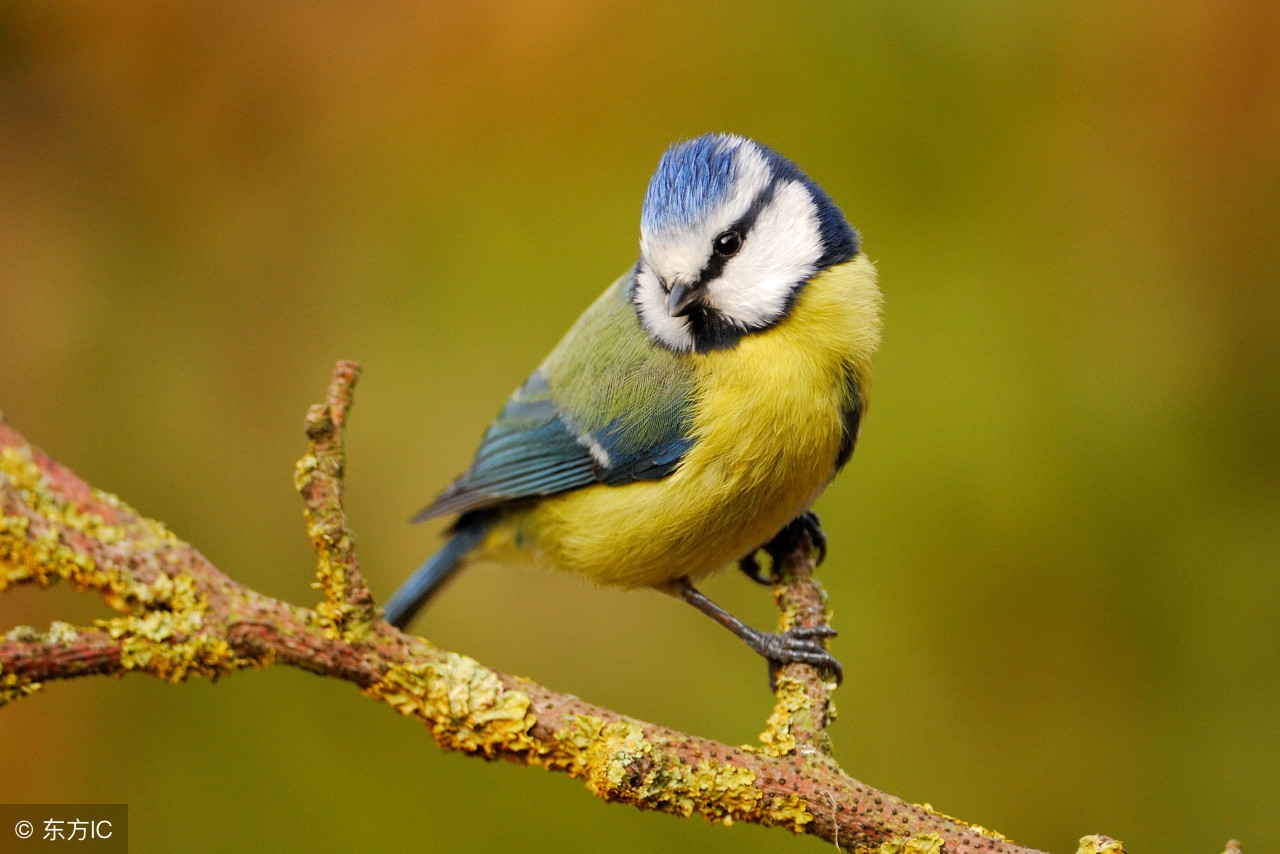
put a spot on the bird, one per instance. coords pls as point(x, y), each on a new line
point(696, 410)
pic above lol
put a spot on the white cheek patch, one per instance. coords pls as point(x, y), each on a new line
point(781, 251)
point(754, 287)
point(651, 303)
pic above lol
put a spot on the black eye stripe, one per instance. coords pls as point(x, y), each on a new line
point(746, 222)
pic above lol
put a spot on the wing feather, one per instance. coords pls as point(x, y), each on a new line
point(608, 406)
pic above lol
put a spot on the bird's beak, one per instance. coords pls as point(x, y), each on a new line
point(681, 297)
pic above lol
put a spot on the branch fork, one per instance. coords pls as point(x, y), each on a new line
point(177, 616)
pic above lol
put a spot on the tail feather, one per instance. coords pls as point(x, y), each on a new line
point(417, 589)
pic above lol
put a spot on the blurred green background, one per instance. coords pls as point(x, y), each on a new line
point(1055, 556)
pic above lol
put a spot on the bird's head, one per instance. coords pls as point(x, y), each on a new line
point(730, 233)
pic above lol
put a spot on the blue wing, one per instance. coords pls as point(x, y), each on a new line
point(533, 449)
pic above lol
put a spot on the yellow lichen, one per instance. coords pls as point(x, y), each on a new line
point(14, 687)
point(26, 634)
point(778, 739)
point(335, 616)
point(924, 843)
point(613, 760)
point(713, 789)
point(580, 734)
point(17, 466)
point(63, 633)
point(167, 642)
point(987, 832)
point(1096, 844)
point(791, 811)
point(976, 828)
point(174, 662)
point(43, 558)
point(463, 702)
point(621, 763)
point(338, 618)
point(303, 469)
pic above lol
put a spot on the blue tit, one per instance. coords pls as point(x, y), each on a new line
point(696, 410)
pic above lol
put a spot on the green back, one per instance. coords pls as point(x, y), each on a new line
point(607, 406)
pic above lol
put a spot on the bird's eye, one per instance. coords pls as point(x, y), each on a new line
point(727, 243)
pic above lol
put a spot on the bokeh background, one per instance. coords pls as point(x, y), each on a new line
point(1055, 556)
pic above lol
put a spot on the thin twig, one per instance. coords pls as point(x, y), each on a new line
point(804, 708)
point(348, 607)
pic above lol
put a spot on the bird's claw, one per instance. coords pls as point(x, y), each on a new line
point(750, 567)
point(787, 539)
point(783, 544)
point(801, 645)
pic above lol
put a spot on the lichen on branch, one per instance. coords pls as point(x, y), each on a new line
point(347, 610)
point(177, 616)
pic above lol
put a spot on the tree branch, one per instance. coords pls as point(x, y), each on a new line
point(178, 616)
point(348, 607)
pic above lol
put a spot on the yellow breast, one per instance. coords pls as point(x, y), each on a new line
point(768, 428)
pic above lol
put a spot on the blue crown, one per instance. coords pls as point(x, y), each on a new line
point(692, 177)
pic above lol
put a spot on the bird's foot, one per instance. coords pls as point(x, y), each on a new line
point(751, 567)
point(789, 537)
point(783, 544)
point(802, 645)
